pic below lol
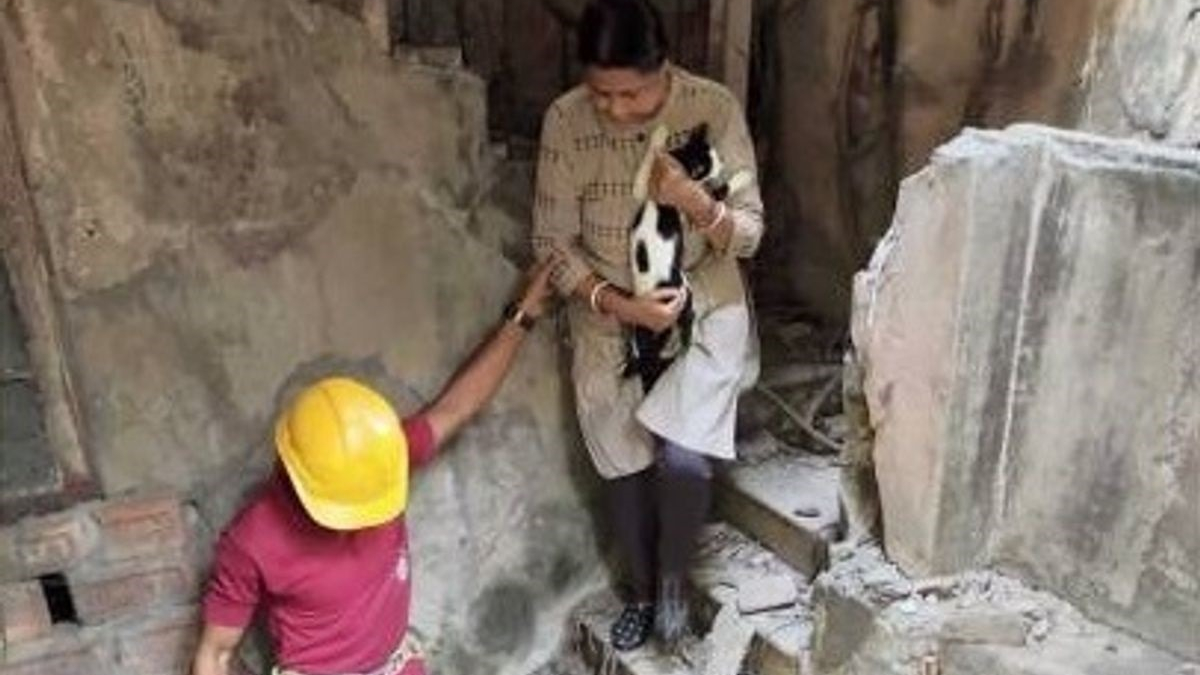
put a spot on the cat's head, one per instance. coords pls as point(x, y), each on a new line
point(699, 159)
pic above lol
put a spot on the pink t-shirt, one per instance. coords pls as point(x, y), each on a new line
point(334, 602)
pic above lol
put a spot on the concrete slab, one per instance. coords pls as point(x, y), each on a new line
point(1077, 656)
point(788, 502)
point(1028, 333)
point(592, 619)
point(873, 620)
point(730, 639)
point(765, 593)
point(728, 559)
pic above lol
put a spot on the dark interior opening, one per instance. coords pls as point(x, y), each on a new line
point(58, 598)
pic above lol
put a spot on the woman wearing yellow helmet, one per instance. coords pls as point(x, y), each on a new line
point(322, 549)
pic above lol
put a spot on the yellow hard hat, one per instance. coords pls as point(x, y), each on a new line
point(345, 452)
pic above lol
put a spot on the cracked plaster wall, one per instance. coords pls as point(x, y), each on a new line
point(236, 197)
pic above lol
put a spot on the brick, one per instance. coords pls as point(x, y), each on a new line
point(23, 612)
point(140, 527)
point(164, 644)
point(132, 592)
point(54, 543)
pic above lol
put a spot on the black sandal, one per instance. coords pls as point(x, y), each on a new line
point(633, 627)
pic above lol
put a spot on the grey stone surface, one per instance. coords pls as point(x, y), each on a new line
point(1068, 657)
point(1143, 79)
point(846, 602)
point(873, 620)
point(773, 591)
point(726, 558)
point(997, 627)
point(1028, 330)
point(240, 197)
point(730, 639)
point(789, 502)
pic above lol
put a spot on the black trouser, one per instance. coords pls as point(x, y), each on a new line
point(657, 513)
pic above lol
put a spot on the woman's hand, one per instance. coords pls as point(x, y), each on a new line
point(659, 310)
point(537, 287)
point(671, 186)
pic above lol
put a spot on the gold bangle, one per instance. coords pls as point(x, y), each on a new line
point(594, 296)
point(721, 213)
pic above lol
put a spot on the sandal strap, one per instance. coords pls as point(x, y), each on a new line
point(634, 623)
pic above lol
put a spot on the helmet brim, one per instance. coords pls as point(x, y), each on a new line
point(336, 515)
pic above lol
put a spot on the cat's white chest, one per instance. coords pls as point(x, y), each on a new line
point(652, 255)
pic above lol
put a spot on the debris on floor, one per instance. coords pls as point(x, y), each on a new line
point(768, 592)
point(729, 642)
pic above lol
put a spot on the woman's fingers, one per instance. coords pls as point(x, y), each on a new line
point(537, 285)
point(664, 295)
point(665, 306)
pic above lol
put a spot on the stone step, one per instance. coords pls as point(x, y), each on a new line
point(733, 570)
point(788, 502)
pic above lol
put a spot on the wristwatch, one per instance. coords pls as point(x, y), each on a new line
point(514, 313)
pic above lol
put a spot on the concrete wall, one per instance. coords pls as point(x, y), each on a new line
point(1028, 328)
point(1143, 78)
point(236, 197)
point(855, 95)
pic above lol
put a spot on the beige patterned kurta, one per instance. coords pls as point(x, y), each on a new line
point(584, 207)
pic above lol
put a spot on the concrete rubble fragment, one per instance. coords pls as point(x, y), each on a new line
point(757, 594)
point(729, 641)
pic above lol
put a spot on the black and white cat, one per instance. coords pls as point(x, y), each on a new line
point(656, 248)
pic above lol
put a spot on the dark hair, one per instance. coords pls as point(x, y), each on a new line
point(622, 34)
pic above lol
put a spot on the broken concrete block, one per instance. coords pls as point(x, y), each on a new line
point(762, 593)
point(1028, 329)
point(987, 626)
point(729, 640)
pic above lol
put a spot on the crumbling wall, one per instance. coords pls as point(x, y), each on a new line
point(1143, 79)
point(236, 197)
point(855, 95)
point(1028, 330)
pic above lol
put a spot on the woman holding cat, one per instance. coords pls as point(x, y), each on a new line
point(655, 451)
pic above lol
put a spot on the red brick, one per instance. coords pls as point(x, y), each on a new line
point(140, 527)
point(132, 592)
point(162, 645)
point(54, 543)
point(24, 614)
